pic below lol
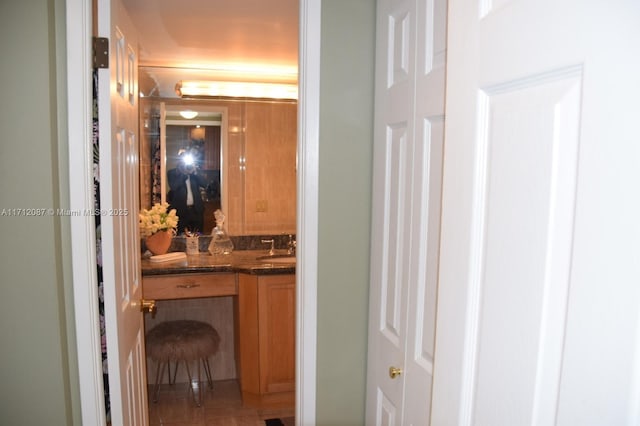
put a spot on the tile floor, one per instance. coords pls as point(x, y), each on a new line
point(222, 406)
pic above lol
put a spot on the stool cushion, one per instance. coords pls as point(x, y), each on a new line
point(182, 340)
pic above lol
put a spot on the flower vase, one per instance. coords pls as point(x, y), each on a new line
point(159, 242)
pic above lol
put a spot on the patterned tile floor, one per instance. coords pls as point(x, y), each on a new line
point(222, 406)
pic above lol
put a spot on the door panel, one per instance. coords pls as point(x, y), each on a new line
point(426, 194)
point(118, 112)
point(408, 154)
point(423, 280)
point(537, 310)
point(393, 233)
point(523, 270)
point(390, 255)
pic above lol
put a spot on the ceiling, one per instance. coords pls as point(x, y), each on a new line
point(223, 40)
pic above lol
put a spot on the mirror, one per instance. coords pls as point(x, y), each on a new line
point(245, 153)
point(191, 148)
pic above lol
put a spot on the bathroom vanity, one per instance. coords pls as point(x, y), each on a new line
point(256, 310)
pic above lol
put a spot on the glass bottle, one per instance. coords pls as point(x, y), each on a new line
point(220, 241)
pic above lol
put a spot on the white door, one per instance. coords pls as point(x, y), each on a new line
point(539, 296)
point(118, 112)
point(409, 133)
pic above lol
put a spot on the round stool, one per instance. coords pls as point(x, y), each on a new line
point(182, 340)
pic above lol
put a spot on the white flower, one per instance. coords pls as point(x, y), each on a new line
point(157, 219)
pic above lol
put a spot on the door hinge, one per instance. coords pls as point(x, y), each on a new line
point(100, 52)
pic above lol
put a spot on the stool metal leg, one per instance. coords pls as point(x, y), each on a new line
point(207, 370)
point(199, 383)
point(159, 373)
point(175, 372)
point(196, 399)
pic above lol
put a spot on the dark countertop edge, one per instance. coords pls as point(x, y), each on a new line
point(171, 269)
point(241, 269)
point(238, 262)
point(266, 270)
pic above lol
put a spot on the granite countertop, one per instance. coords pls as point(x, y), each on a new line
point(241, 261)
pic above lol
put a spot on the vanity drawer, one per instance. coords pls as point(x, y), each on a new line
point(184, 286)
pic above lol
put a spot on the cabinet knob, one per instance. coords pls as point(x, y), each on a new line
point(394, 372)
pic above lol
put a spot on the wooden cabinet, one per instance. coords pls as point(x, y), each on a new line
point(266, 319)
point(262, 331)
point(269, 171)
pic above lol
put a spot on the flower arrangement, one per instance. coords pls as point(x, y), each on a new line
point(157, 219)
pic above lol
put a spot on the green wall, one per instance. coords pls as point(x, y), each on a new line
point(346, 149)
point(38, 383)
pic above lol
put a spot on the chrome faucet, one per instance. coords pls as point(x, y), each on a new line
point(272, 249)
point(291, 245)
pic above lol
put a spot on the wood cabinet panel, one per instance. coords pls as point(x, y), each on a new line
point(270, 169)
point(248, 336)
point(276, 316)
point(267, 339)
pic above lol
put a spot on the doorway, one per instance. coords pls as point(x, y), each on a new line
point(79, 16)
point(242, 118)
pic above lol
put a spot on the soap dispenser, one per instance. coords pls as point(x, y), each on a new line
point(220, 241)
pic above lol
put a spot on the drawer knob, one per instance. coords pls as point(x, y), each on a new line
point(187, 285)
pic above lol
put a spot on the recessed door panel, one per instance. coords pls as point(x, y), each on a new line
point(529, 133)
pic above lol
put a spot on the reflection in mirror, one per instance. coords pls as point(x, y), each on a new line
point(255, 141)
point(185, 157)
point(192, 163)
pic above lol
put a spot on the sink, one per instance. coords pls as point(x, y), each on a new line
point(278, 258)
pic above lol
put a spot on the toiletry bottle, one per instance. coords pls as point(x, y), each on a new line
point(220, 241)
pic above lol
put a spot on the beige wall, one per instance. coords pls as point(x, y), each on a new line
point(38, 383)
point(346, 134)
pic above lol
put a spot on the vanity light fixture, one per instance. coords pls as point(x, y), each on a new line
point(188, 114)
point(236, 89)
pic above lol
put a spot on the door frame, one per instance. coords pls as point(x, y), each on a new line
point(79, 94)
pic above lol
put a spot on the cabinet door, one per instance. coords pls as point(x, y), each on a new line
point(276, 316)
